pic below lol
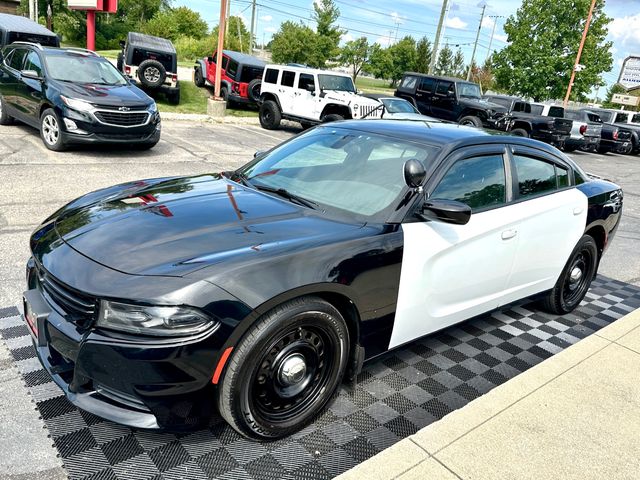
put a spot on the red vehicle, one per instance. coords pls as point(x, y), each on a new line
point(241, 76)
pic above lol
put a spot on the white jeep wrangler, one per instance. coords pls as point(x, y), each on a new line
point(310, 97)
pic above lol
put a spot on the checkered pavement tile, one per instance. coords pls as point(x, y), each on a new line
point(395, 396)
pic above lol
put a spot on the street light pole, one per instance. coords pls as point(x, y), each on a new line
point(575, 67)
point(475, 45)
point(493, 31)
point(434, 52)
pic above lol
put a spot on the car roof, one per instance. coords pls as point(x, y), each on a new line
point(441, 134)
point(244, 58)
point(450, 79)
point(309, 70)
point(16, 23)
point(142, 40)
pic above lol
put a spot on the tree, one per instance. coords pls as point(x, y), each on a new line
point(237, 37)
point(403, 58)
point(444, 64)
point(543, 40)
point(483, 75)
point(355, 53)
point(177, 22)
point(380, 62)
point(423, 55)
point(293, 43)
point(458, 67)
point(328, 34)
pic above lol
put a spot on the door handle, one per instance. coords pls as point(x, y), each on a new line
point(509, 234)
point(578, 210)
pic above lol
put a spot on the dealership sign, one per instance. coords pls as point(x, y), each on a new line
point(107, 6)
point(625, 99)
point(630, 73)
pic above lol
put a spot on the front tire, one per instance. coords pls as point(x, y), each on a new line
point(51, 131)
point(575, 279)
point(471, 121)
point(520, 132)
point(198, 78)
point(285, 370)
point(270, 115)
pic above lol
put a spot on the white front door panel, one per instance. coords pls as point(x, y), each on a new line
point(453, 272)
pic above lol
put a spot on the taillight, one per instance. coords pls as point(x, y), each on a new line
point(615, 135)
point(127, 70)
point(174, 78)
point(236, 87)
point(583, 129)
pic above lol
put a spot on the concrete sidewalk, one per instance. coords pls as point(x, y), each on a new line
point(573, 416)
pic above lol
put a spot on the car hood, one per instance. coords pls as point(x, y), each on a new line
point(177, 226)
point(111, 95)
point(483, 105)
point(349, 97)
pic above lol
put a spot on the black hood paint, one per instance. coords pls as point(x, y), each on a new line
point(482, 105)
point(112, 95)
point(178, 226)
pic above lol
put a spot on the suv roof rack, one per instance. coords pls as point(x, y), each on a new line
point(32, 44)
point(82, 50)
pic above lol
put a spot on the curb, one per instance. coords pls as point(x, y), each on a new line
point(196, 117)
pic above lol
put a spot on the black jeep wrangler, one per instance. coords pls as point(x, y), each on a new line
point(524, 123)
point(152, 62)
point(451, 99)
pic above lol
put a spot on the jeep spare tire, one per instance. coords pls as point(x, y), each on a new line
point(255, 86)
point(152, 73)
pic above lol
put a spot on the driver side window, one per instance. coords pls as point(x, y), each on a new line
point(479, 182)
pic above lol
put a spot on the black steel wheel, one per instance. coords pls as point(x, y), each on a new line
point(285, 370)
point(270, 115)
point(575, 279)
point(471, 121)
point(198, 78)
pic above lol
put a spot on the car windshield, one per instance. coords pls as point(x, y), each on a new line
point(469, 90)
point(82, 68)
point(347, 172)
point(398, 105)
point(336, 82)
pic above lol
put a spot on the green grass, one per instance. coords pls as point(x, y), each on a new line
point(194, 100)
point(373, 85)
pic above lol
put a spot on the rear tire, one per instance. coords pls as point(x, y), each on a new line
point(520, 132)
point(285, 370)
point(471, 121)
point(575, 279)
point(5, 119)
point(270, 115)
point(198, 78)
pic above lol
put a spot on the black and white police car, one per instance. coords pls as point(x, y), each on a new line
point(255, 292)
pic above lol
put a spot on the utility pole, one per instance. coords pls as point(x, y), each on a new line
point(493, 31)
point(253, 26)
point(475, 45)
point(434, 52)
point(32, 9)
point(226, 23)
point(221, 29)
point(577, 64)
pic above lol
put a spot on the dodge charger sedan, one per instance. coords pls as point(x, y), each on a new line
point(254, 293)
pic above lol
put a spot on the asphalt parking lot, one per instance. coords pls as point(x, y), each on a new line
point(35, 182)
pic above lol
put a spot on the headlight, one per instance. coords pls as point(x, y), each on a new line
point(157, 321)
point(79, 105)
point(153, 108)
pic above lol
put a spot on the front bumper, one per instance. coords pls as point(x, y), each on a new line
point(141, 382)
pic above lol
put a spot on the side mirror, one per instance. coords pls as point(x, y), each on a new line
point(122, 44)
point(451, 94)
point(30, 74)
point(310, 88)
point(414, 173)
point(210, 60)
point(447, 211)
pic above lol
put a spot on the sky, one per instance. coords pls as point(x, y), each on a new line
point(385, 22)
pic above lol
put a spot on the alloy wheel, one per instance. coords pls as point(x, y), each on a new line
point(152, 74)
point(50, 129)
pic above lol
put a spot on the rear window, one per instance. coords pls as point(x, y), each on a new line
point(594, 118)
point(408, 83)
point(557, 112)
point(622, 117)
point(140, 56)
point(250, 73)
point(44, 40)
point(636, 118)
point(271, 76)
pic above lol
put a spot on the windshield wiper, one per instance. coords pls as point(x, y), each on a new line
point(237, 177)
point(288, 195)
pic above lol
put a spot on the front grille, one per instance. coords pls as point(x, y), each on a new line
point(124, 137)
point(78, 307)
point(368, 111)
point(123, 119)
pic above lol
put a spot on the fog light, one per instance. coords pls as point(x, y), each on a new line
point(70, 124)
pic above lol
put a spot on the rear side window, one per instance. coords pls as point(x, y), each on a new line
point(479, 182)
point(33, 63)
point(557, 112)
point(305, 80)
point(427, 85)
point(288, 78)
point(232, 68)
point(537, 109)
point(271, 76)
point(444, 87)
point(522, 107)
point(535, 176)
point(17, 59)
point(408, 83)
